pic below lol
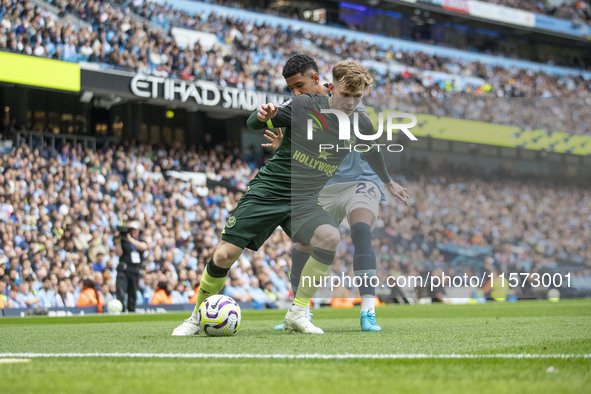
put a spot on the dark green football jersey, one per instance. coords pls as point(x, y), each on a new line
point(298, 167)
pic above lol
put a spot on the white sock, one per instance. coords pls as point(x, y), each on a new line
point(297, 308)
point(367, 302)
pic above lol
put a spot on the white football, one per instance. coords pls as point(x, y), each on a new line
point(114, 306)
point(553, 295)
point(219, 315)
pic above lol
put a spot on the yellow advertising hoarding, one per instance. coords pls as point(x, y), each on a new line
point(494, 134)
point(39, 72)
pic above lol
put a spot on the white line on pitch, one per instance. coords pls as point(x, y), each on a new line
point(14, 360)
point(303, 356)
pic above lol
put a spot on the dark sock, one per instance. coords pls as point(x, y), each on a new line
point(298, 261)
point(216, 272)
point(364, 257)
point(212, 282)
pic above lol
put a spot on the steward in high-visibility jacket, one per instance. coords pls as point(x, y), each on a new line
point(90, 296)
point(162, 296)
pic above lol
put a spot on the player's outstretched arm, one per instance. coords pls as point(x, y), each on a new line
point(267, 112)
point(398, 192)
point(274, 139)
point(259, 119)
point(271, 116)
point(376, 161)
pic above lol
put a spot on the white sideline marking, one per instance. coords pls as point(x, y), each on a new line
point(517, 356)
point(14, 360)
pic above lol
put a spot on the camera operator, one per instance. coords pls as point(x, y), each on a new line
point(130, 249)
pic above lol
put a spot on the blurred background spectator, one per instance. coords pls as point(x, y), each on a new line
point(251, 55)
point(59, 209)
point(59, 205)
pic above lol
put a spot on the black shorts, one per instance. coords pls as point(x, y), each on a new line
point(258, 214)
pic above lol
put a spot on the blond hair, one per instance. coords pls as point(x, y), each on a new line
point(351, 75)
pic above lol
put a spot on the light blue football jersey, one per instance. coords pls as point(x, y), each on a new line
point(355, 169)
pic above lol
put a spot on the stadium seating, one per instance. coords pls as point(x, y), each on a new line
point(57, 208)
point(401, 68)
point(572, 10)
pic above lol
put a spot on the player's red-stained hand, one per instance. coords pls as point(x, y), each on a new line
point(398, 192)
point(266, 112)
point(274, 139)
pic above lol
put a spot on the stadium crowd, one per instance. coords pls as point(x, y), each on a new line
point(249, 56)
point(59, 212)
point(59, 209)
point(576, 11)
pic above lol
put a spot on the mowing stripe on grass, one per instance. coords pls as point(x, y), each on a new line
point(302, 356)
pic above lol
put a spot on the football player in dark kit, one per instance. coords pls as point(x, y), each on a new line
point(285, 192)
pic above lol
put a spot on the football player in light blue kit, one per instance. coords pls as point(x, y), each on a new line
point(354, 192)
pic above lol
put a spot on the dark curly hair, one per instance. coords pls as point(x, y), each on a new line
point(299, 64)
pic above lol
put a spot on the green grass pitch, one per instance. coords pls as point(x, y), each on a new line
point(525, 327)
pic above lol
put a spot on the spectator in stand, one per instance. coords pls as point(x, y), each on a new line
point(578, 11)
point(237, 289)
point(108, 291)
point(90, 296)
point(26, 299)
point(180, 295)
point(13, 299)
point(271, 293)
point(3, 297)
point(121, 42)
point(162, 295)
point(63, 296)
point(514, 221)
point(260, 300)
point(47, 295)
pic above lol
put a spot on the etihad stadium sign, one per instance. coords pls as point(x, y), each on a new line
point(204, 93)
